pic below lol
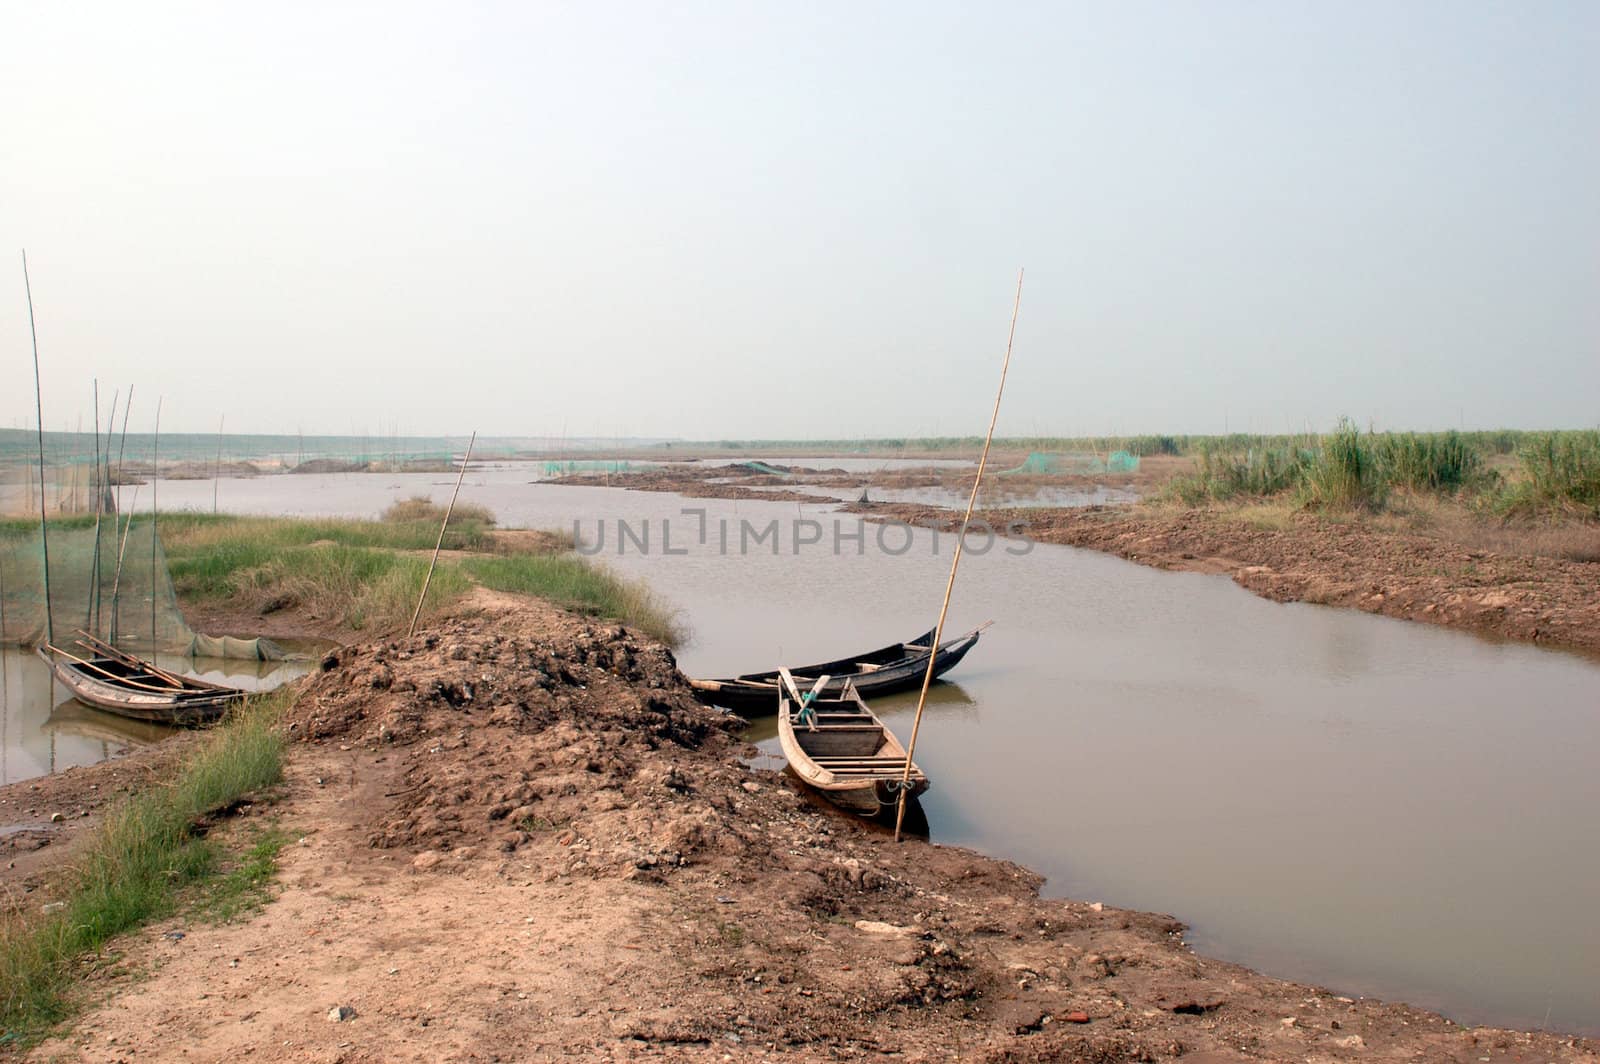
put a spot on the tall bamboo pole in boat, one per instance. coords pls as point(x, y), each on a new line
point(38, 398)
point(448, 510)
point(955, 564)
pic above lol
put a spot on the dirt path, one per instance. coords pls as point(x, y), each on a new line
point(523, 839)
point(1411, 576)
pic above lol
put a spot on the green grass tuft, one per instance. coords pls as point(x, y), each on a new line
point(140, 857)
point(1346, 473)
point(1561, 473)
point(245, 885)
point(582, 586)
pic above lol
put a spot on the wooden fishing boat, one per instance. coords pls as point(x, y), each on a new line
point(118, 682)
point(896, 667)
point(839, 747)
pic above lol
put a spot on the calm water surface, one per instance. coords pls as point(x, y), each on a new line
point(44, 730)
point(1385, 808)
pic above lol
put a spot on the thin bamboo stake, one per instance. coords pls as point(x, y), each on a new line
point(155, 480)
point(448, 510)
point(122, 451)
point(216, 470)
point(94, 485)
point(38, 396)
point(955, 563)
point(109, 505)
point(122, 551)
point(122, 447)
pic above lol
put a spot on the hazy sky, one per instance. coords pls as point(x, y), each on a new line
point(796, 219)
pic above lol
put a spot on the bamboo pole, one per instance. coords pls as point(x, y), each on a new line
point(122, 451)
point(155, 480)
point(122, 551)
point(38, 397)
point(955, 563)
point(448, 510)
point(216, 470)
point(108, 504)
point(94, 486)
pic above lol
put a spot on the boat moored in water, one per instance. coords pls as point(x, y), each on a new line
point(120, 683)
point(896, 667)
point(839, 747)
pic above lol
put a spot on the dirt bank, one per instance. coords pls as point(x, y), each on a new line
point(522, 838)
point(740, 482)
point(1337, 563)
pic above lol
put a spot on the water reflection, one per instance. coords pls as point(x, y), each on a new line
point(40, 733)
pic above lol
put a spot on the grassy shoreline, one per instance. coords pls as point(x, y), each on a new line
point(147, 858)
point(368, 575)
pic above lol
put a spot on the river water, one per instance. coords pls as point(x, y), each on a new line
point(1385, 808)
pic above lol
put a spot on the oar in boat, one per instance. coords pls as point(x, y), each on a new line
point(806, 714)
point(100, 646)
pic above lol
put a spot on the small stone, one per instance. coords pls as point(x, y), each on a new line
point(426, 859)
point(877, 927)
point(751, 786)
point(341, 1013)
point(1097, 906)
point(1074, 1017)
point(174, 936)
point(54, 906)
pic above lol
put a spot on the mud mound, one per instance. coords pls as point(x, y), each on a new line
point(509, 735)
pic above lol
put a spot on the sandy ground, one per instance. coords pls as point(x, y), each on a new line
point(520, 838)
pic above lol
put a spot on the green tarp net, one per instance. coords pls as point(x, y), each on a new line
point(1039, 462)
point(762, 467)
point(556, 469)
point(133, 606)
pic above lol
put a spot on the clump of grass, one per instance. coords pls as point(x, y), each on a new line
point(366, 575)
point(421, 508)
point(1430, 461)
point(582, 586)
point(1258, 472)
point(1560, 473)
point(360, 587)
point(352, 572)
point(244, 886)
point(134, 865)
point(1346, 473)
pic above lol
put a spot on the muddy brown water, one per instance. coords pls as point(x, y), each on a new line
point(1384, 808)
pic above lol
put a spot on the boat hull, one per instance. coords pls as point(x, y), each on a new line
point(757, 695)
point(865, 779)
point(181, 709)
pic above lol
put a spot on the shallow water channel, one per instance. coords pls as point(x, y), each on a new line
point(1385, 808)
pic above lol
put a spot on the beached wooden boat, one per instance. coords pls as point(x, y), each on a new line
point(118, 682)
point(839, 747)
point(896, 667)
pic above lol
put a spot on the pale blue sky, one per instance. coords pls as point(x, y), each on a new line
point(805, 220)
